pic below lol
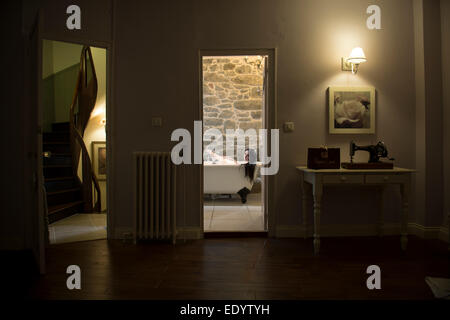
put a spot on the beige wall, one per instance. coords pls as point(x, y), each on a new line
point(419, 64)
point(16, 217)
point(96, 17)
point(429, 113)
point(65, 55)
point(59, 59)
point(95, 131)
point(156, 73)
point(161, 79)
point(434, 113)
point(58, 55)
point(47, 58)
point(445, 35)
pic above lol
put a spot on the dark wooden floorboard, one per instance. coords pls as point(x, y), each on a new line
point(247, 268)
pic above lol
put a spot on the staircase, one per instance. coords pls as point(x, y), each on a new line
point(65, 151)
point(64, 193)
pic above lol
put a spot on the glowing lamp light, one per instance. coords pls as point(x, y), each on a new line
point(352, 63)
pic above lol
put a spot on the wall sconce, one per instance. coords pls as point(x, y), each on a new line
point(351, 63)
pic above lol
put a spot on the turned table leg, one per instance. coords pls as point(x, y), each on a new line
point(380, 211)
point(317, 210)
point(405, 190)
point(305, 208)
point(448, 223)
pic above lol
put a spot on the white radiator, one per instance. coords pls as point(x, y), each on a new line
point(154, 196)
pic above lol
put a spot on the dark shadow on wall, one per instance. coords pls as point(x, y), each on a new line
point(57, 94)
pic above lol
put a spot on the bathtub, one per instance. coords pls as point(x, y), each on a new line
point(226, 178)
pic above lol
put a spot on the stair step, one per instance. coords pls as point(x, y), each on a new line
point(58, 136)
point(56, 147)
point(57, 166)
point(63, 183)
point(60, 126)
point(62, 191)
point(59, 170)
point(54, 209)
point(58, 179)
point(58, 159)
point(65, 210)
point(61, 154)
point(64, 196)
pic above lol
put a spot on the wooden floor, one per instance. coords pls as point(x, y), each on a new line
point(247, 268)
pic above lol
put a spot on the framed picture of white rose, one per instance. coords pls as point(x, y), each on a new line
point(351, 110)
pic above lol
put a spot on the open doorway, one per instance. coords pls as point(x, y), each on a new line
point(73, 99)
point(233, 98)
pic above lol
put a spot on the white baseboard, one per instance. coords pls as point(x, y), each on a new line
point(424, 232)
point(444, 234)
point(122, 233)
point(298, 231)
point(290, 231)
point(189, 233)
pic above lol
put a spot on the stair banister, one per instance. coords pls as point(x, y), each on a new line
point(85, 96)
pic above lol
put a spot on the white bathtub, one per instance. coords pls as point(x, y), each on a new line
point(225, 178)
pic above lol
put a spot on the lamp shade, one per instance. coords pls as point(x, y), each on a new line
point(357, 56)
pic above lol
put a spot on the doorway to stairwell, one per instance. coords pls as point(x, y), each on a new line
point(73, 99)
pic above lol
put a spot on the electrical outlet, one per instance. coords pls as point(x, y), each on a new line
point(289, 127)
point(157, 122)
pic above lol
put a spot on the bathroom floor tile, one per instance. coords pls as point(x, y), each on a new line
point(207, 214)
point(227, 214)
point(230, 214)
point(230, 225)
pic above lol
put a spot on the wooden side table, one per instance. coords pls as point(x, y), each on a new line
point(378, 178)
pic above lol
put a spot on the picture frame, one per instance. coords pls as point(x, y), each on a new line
point(351, 110)
point(99, 159)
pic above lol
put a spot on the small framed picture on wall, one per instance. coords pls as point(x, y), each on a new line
point(99, 159)
point(351, 110)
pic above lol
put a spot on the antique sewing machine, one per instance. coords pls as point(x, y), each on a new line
point(375, 153)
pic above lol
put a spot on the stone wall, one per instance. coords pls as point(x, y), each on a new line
point(232, 93)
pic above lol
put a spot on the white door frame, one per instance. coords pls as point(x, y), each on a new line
point(270, 122)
